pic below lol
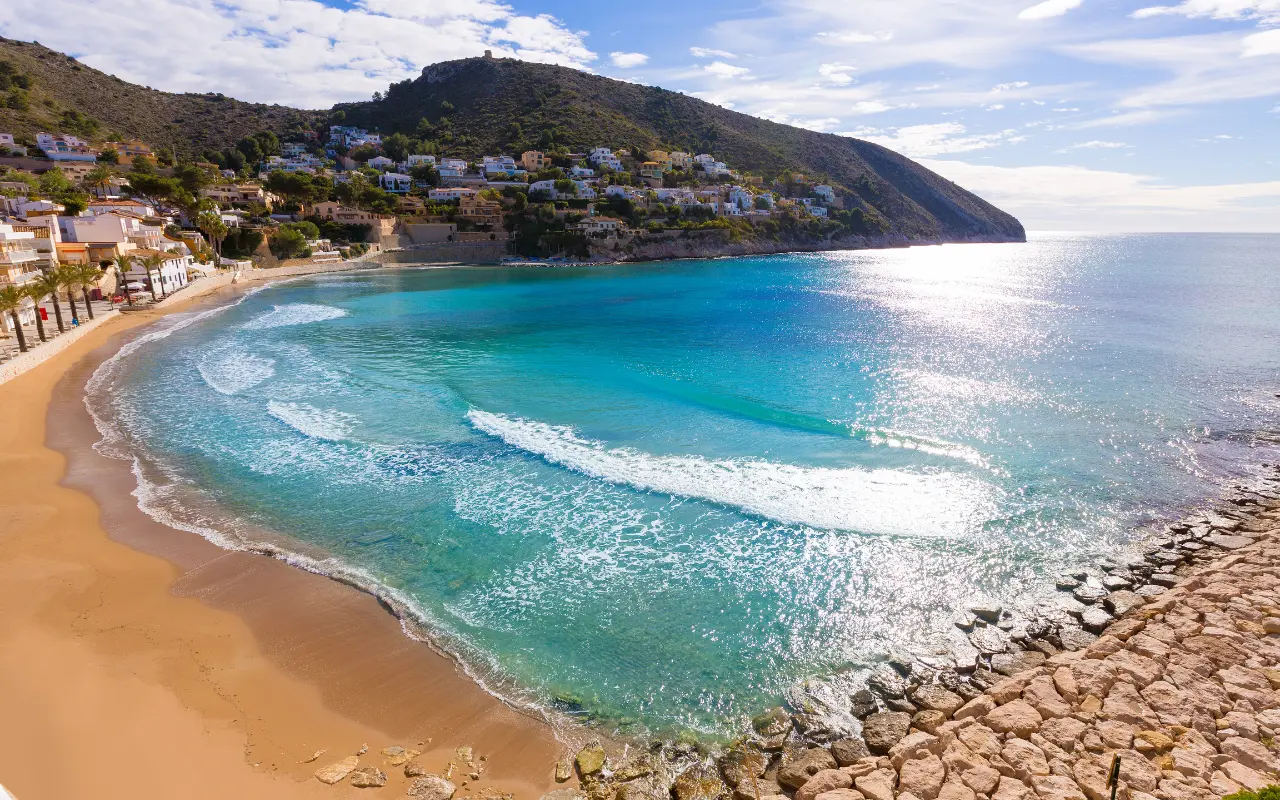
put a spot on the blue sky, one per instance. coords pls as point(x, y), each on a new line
point(1071, 114)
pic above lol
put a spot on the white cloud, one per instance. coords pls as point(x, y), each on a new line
point(934, 139)
point(1006, 87)
point(856, 37)
point(1096, 144)
point(821, 124)
point(628, 60)
point(1126, 119)
point(722, 70)
point(1264, 10)
point(1049, 8)
point(870, 107)
point(996, 107)
point(1266, 43)
point(296, 52)
point(706, 52)
point(1078, 198)
point(837, 73)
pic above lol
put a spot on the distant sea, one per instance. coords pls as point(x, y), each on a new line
point(661, 496)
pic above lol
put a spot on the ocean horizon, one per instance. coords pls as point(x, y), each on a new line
point(661, 497)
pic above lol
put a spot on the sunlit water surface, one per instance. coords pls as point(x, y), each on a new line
point(662, 495)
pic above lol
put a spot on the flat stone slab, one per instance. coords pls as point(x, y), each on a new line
point(1228, 541)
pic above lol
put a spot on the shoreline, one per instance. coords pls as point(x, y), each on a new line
point(253, 665)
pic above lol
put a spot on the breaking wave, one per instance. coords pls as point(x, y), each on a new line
point(233, 372)
point(881, 501)
point(316, 423)
point(293, 314)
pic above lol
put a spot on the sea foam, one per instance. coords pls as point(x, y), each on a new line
point(293, 314)
point(317, 423)
point(881, 501)
point(235, 371)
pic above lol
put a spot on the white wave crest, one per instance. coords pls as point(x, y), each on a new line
point(293, 314)
point(317, 423)
point(235, 371)
point(879, 501)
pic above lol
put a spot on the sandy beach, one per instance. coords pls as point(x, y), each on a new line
point(137, 661)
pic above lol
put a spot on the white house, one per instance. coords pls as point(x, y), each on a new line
point(585, 192)
point(601, 225)
point(741, 197)
point(292, 149)
point(19, 264)
point(825, 192)
point(65, 147)
point(582, 172)
point(381, 163)
point(498, 164)
point(168, 277)
point(544, 186)
point(445, 193)
point(455, 163)
point(451, 172)
point(395, 182)
point(419, 158)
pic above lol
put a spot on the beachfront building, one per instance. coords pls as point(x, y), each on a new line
point(167, 277)
point(601, 226)
point(380, 225)
point(482, 212)
point(534, 160)
point(19, 264)
point(111, 227)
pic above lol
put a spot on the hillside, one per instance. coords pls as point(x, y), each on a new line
point(476, 106)
point(65, 95)
point(482, 106)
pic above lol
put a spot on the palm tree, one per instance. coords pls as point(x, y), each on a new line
point(89, 275)
point(48, 284)
point(37, 294)
point(69, 280)
point(155, 262)
point(123, 265)
point(11, 298)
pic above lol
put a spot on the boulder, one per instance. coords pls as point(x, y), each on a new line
point(336, 772)
point(1227, 541)
point(979, 706)
point(800, 767)
point(1095, 620)
point(1016, 716)
point(1012, 789)
point(740, 765)
point(917, 744)
point(862, 703)
point(956, 790)
point(1024, 759)
point(877, 785)
point(883, 730)
point(848, 751)
point(980, 739)
point(937, 698)
point(701, 784)
point(1116, 735)
point(1064, 732)
point(1056, 787)
point(590, 760)
point(1248, 778)
point(413, 769)
point(824, 781)
point(841, 794)
point(1191, 764)
point(1250, 753)
point(1122, 602)
point(774, 722)
point(433, 787)
point(368, 778)
point(928, 721)
point(1044, 698)
point(564, 770)
point(922, 777)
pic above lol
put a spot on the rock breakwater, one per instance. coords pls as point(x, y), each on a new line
point(1166, 663)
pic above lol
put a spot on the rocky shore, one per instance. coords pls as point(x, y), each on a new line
point(1169, 660)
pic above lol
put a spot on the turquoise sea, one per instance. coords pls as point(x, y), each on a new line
point(662, 496)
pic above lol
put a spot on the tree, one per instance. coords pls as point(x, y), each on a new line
point(287, 243)
point(48, 286)
point(153, 264)
point(37, 294)
point(307, 228)
point(97, 178)
point(123, 266)
point(68, 278)
point(11, 298)
point(250, 148)
point(109, 156)
point(211, 224)
point(88, 275)
point(268, 143)
point(152, 187)
point(193, 178)
point(425, 173)
point(396, 146)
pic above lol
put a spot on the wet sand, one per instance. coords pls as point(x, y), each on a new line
point(138, 661)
